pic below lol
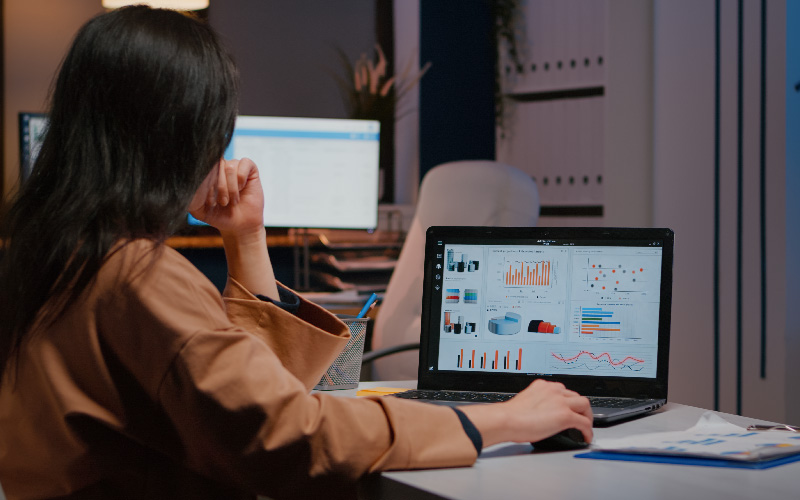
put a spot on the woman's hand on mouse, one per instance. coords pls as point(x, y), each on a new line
point(539, 411)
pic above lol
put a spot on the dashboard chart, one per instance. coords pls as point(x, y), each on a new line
point(616, 276)
point(615, 322)
point(485, 357)
point(550, 309)
point(530, 273)
point(584, 362)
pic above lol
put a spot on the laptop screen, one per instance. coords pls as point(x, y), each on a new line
point(585, 306)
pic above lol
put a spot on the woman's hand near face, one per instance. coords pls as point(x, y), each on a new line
point(231, 198)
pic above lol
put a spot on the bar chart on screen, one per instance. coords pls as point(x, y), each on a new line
point(530, 272)
point(483, 357)
point(602, 322)
point(527, 273)
point(614, 322)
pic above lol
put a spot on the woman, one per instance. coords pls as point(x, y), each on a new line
point(124, 373)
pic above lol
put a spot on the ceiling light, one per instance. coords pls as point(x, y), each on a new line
point(161, 4)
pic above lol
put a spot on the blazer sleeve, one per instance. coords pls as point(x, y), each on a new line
point(235, 390)
point(241, 414)
point(306, 352)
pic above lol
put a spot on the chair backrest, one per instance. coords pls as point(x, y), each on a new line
point(463, 193)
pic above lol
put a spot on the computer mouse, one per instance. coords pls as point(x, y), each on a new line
point(569, 439)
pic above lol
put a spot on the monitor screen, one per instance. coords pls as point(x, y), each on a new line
point(316, 172)
point(31, 133)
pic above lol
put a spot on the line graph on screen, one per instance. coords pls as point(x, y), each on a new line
point(607, 361)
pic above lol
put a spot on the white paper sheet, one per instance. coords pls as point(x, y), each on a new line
point(711, 437)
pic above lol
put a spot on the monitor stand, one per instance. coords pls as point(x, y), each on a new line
point(303, 234)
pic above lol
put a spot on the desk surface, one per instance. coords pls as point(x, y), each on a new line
point(514, 471)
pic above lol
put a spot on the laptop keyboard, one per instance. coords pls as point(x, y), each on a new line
point(462, 396)
point(496, 397)
point(602, 402)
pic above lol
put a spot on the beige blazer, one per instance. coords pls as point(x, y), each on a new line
point(153, 386)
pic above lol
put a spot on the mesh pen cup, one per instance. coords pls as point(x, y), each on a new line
point(346, 368)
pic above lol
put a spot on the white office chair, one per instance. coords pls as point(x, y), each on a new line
point(462, 193)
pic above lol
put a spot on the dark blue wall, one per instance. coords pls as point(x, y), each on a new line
point(457, 94)
point(212, 263)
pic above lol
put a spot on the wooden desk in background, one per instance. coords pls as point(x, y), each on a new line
point(328, 260)
point(291, 238)
point(215, 241)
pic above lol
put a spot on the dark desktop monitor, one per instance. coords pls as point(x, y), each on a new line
point(316, 172)
point(31, 133)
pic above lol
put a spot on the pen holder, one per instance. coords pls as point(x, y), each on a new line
point(345, 371)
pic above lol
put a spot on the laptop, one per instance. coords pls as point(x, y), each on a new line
point(588, 307)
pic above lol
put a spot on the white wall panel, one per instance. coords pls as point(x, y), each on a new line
point(685, 191)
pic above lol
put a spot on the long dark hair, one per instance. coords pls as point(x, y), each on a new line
point(143, 106)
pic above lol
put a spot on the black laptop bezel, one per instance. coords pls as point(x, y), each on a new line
point(653, 388)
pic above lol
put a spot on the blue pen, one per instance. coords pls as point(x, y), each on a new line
point(366, 307)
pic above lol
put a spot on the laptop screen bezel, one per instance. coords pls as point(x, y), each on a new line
point(439, 236)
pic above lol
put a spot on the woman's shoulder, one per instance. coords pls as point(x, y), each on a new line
point(146, 277)
point(147, 264)
point(140, 255)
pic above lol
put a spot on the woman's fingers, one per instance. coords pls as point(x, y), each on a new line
point(211, 184)
point(223, 195)
point(230, 181)
point(582, 414)
point(230, 198)
point(231, 172)
point(561, 408)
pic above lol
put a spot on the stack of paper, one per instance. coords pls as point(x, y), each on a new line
point(712, 439)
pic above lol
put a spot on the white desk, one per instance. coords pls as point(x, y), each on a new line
point(509, 471)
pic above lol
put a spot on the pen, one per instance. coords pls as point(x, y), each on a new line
point(370, 302)
point(779, 427)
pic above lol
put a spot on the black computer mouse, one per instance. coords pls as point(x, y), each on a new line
point(569, 439)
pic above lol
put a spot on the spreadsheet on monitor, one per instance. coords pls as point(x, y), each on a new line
point(316, 172)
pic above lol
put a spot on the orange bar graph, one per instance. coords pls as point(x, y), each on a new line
point(590, 329)
point(461, 359)
point(496, 356)
point(538, 275)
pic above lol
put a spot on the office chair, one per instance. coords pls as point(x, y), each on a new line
point(462, 193)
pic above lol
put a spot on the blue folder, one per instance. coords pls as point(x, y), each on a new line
point(681, 460)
